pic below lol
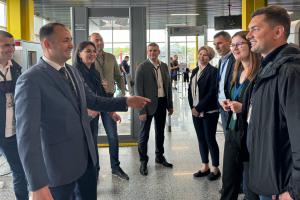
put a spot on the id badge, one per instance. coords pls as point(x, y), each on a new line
point(249, 113)
point(234, 117)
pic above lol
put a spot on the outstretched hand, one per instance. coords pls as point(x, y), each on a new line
point(137, 101)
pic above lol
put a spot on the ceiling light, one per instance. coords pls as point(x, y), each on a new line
point(184, 14)
point(176, 24)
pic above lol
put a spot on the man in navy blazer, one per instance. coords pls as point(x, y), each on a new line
point(153, 81)
point(222, 41)
point(53, 132)
point(9, 72)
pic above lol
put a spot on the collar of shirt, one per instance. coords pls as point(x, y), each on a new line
point(271, 56)
point(223, 58)
point(159, 63)
point(7, 66)
point(53, 64)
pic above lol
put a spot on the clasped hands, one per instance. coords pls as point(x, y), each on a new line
point(234, 106)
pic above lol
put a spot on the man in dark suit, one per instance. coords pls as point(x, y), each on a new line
point(53, 131)
point(153, 81)
point(9, 72)
point(222, 41)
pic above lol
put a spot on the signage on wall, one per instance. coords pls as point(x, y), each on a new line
point(80, 27)
point(186, 30)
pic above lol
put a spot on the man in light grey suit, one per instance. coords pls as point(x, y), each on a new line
point(53, 133)
point(153, 81)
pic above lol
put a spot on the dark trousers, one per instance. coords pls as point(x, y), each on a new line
point(94, 124)
point(160, 121)
point(224, 119)
point(8, 146)
point(206, 128)
point(234, 169)
point(85, 188)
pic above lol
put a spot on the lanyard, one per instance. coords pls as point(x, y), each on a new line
point(156, 73)
point(237, 90)
point(4, 75)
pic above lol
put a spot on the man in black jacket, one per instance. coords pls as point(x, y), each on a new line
point(9, 72)
point(273, 109)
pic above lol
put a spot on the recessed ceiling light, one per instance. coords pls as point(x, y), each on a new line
point(184, 14)
point(176, 24)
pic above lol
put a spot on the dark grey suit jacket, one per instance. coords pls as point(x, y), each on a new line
point(53, 130)
point(146, 85)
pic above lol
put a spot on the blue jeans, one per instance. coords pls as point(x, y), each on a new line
point(264, 197)
point(110, 127)
point(8, 146)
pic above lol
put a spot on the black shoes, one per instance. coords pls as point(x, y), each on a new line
point(164, 162)
point(120, 173)
point(201, 174)
point(143, 169)
point(212, 176)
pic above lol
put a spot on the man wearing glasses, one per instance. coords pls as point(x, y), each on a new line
point(9, 72)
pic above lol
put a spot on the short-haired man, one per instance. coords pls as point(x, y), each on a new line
point(222, 41)
point(109, 70)
point(273, 109)
point(152, 80)
point(55, 142)
point(9, 73)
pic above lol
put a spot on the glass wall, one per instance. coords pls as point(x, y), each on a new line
point(115, 33)
point(38, 23)
point(2, 16)
point(116, 36)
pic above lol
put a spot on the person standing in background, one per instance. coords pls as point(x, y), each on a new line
point(153, 81)
point(9, 73)
point(109, 70)
point(174, 70)
point(203, 103)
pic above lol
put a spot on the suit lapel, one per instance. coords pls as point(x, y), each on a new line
point(79, 86)
point(229, 66)
point(60, 84)
point(203, 73)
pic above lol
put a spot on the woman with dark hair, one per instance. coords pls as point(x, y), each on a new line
point(235, 150)
point(84, 59)
point(203, 102)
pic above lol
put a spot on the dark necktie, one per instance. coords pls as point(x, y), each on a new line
point(67, 78)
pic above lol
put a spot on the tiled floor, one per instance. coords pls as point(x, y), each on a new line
point(181, 148)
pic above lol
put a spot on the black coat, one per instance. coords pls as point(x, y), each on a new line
point(273, 138)
point(15, 73)
point(207, 86)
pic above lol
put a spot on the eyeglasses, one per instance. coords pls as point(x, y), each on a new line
point(237, 45)
point(90, 51)
point(6, 46)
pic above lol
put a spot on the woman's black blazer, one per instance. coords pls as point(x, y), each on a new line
point(207, 87)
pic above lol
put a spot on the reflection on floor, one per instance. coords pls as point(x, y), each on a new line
point(181, 148)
